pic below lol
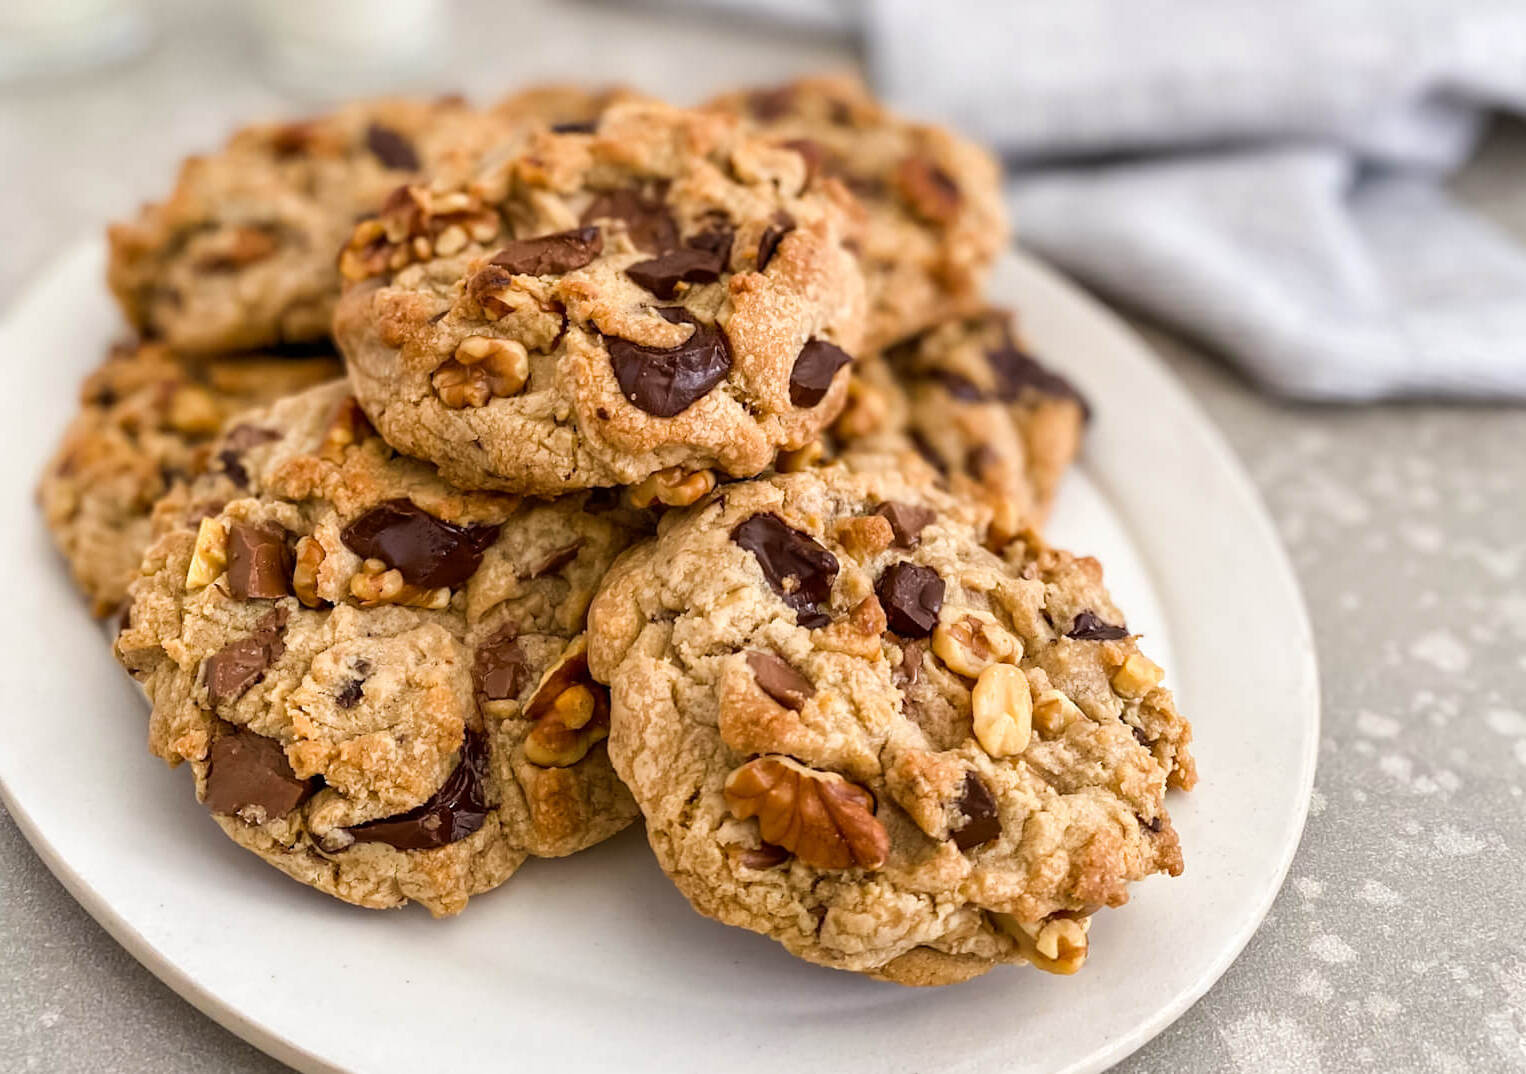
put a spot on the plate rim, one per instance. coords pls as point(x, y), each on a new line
point(1306, 673)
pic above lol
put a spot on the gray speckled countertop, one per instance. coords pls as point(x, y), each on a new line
point(1399, 941)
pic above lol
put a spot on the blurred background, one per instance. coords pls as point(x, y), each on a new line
point(1304, 206)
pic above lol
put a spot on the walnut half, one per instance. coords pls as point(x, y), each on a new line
point(820, 817)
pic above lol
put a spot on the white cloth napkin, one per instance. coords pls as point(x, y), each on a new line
point(1265, 175)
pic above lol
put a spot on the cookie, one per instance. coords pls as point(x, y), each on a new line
point(379, 681)
point(146, 422)
point(999, 425)
point(241, 254)
point(934, 220)
point(852, 728)
point(655, 301)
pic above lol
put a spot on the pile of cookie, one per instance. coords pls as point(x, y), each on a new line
point(488, 480)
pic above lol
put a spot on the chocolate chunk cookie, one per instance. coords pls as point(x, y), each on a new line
point(854, 729)
point(241, 254)
point(652, 301)
point(380, 682)
point(146, 423)
point(931, 200)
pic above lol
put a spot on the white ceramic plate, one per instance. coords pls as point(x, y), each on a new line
point(596, 963)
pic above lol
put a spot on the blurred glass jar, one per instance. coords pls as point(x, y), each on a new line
point(337, 47)
point(46, 38)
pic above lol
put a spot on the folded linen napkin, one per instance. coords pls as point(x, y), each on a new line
point(1264, 176)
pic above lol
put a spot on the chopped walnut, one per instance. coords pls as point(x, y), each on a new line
point(820, 817)
point(193, 411)
point(304, 575)
point(792, 462)
point(1138, 676)
point(1002, 710)
point(860, 634)
point(570, 711)
point(415, 224)
point(482, 369)
point(1055, 945)
point(865, 411)
point(674, 487)
point(348, 427)
point(379, 584)
point(865, 535)
point(973, 642)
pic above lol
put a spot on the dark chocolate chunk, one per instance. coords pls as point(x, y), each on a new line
point(350, 693)
point(550, 255)
point(1154, 825)
point(927, 451)
point(241, 438)
point(1089, 626)
point(959, 387)
point(716, 239)
point(1141, 736)
point(453, 812)
point(768, 243)
point(764, 856)
point(779, 680)
point(425, 551)
point(907, 521)
point(798, 569)
point(259, 561)
point(665, 382)
point(499, 669)
point(981, 460)
point(555, 561)
point(771, 104)
point(688, 264)
point(242, 663)
point(816, 365)
point(250, 772)
point(982, 821)
point(233, 466)
point(647, 220)
point(1016, 371)
point(391, 148)
point(581, 127)
point(911, 595)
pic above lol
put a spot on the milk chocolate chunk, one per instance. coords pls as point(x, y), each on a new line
point(391, 148)
point(1089, 626)
point(907, 521)
point(425, 550)
point(647, 220)
point(912, 596)
point(666, 382)
point(240, 664)
point(452, 813)
point(982, 822)
point(798, 569)
point(551, 255)
point(259, 561)
point(500, 670)
point(816, 365)
point(250, 777)
point(777, 679)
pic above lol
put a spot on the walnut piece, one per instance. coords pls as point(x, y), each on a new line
point(484, 368)
point(379, 584)
point(304, 575)
point(570, 711)
point(674, 487)
point(973, 642)
point(859, 634)
point(820, 817)
point(1137, 677)
point(1057, 944)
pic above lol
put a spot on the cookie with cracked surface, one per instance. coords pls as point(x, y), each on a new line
point(998, 426)
point(981, 360)
point(852, 728)
point(933, 214)
point(146, 423)
point(241, 254)
point(652, 301)
point(379, 681)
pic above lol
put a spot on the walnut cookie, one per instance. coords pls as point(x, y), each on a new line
point(380, 682)
point(852, 728)
point(146, 423)
point(651, 301)
point(999, 426)
point(931, 200)
point(242, 252)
